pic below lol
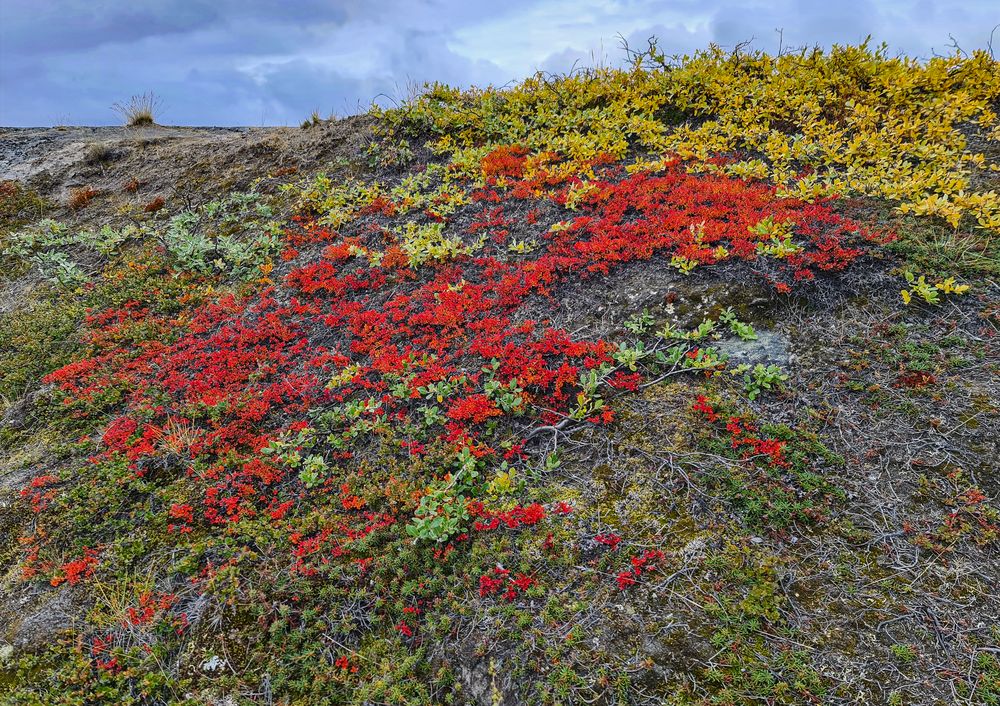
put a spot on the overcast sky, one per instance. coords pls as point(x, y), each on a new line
point(273, 62)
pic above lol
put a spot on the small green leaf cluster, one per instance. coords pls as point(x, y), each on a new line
point(930, 293)
point(443, 511)
point(232, 235)
point(741, 328)
point(759, 378)
point(49, 245)
point(440, 515)
point(427, 242)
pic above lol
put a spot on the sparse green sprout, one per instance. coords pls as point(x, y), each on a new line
point(668, 331)
point(705, 328)
point(744, 330)
point(522, 247)
point(759, 378)
point(343, 377)
point(779, 248)
point(640, 323)
point(313, 471)
point(389, 153)
point(588, 399)
point(440, 515)
point(59, 269)
point(505, 482)
point(707, 359)
point(509, 397)
point(630, 356)
point(903, 653)
point(683, 264)
point(931, 294)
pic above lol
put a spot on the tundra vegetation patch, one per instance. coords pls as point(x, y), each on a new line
point(675, 383)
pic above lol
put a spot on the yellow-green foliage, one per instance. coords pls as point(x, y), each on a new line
point(37, 338)
point(865, 122)
point(19, 205)
point(428, 242)
point(581, 116)
point(920, 287)
point(334, 203)
point(434, 189)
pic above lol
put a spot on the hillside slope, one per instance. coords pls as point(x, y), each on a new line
point(676, 383)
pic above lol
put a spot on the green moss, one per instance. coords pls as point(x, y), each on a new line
point(37, 338)
point(758, 658)
point(770, 496)
point(903, 653)
point(19, 205)
point(935, 249)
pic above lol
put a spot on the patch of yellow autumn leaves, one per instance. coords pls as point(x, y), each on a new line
point(851, 120)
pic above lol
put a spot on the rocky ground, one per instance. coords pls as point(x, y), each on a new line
point(177, 162)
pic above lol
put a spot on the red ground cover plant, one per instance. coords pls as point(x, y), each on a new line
point(642, 564)
point(40, 492)
point(743, 436)
point(505, 583)
point(506, 161)
point(610, 539)
point(72, 572)
point(379, 342)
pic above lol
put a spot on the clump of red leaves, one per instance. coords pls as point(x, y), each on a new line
point(72, 572)
point(40, 492)
point(518, 516)
point(914, 380)
point(505, 161)
point(645, 562)
point(500, 579)
point(743, 436)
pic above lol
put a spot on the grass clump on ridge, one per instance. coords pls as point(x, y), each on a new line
point(139, 110)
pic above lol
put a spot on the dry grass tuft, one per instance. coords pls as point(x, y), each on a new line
point(99, 153)
point(314, 120)
point(139, 110)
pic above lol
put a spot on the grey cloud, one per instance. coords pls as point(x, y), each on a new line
point(232, 62)
point(59, 26)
